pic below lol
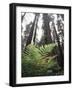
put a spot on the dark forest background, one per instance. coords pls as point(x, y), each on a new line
point(42, 42)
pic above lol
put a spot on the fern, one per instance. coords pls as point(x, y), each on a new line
point(39, 60)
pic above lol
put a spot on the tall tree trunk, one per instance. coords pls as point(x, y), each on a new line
point(35, 28)
point(60, 49)
point(30, 34)
point(46, 27)
point(31, 37)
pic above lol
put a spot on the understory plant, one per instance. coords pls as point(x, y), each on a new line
point(40, 61)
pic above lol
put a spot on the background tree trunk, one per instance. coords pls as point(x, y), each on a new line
point(35, 28)
point(32, 34)
point(61, 58)
point(46, 27)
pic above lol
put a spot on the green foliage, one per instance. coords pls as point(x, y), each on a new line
point(38, 61)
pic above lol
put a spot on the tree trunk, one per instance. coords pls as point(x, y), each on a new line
point(47, 31)
point(31, 37)
point(60, 49)
point(35, 28)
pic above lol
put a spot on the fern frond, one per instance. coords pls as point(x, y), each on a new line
point(38, 60)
